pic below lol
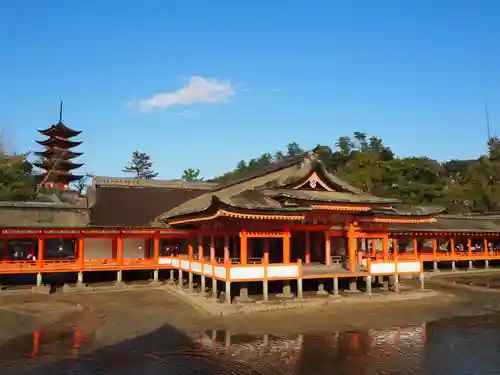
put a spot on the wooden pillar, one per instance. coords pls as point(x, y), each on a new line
point(250, 248)
point(81, 253)
point(328, 249)
point(156, 249)
point(243, 248)
point(434, 247)
point(6, 249)
point(308, 247)
point(114, 247)
point(415, 246)
point(394, 247)
point(119, 250)
point(469, 246)
point(190, 250)
point(226, 249)
point(385, 246)
point(41, 252)
point(200, 247)
point(147, 253)
point(212, 248)
point(351, 247)
point(485, 246)
point(452, 246)
point(286, 247)
point(266, 250)
point(374, 247)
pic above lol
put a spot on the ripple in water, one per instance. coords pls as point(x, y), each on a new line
point(456, 346)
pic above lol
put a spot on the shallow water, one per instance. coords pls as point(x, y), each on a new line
point(459, 346)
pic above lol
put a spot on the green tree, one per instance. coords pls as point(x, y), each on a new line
point(293, 149)
point(141, 166)
point(17, 181)
point(191, 174)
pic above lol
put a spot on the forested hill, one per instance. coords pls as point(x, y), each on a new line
point(365, 162)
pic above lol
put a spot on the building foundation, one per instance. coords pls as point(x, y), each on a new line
point(287, 290)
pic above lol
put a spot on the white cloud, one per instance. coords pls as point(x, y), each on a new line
point(197, 90)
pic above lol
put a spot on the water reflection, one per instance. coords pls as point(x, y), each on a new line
point(456, 346)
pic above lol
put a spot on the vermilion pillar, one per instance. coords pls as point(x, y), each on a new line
point(200, 247)
point(156, 249)
point(485, 245)
point(328, 255)
point(452, 246)
point(286, 247)
point(212, 248)
point(81, 252)
point(308, 247)
point(114, 247)
point(243, 248)
point(415, 247)
point(41, 251)
point(469, 246)
point(266, 251)
point(119, 250)
point(385, 247)
point(351, 247)
point(226, 249)
point(190, 251)
point(434, 247)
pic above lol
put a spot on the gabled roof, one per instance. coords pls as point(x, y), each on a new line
point(262, 190)
point(128, 202)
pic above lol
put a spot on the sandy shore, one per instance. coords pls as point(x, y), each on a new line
point(117, 316)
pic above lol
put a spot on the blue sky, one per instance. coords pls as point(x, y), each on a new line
point(204, 84)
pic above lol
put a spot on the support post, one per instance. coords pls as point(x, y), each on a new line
point(471, 265)
point(353, 286)
point(119, 279)
point(453, 266)
point(190, 281)
point(200, 247)
point(203, 285)
point(39, 280)
point(422, 281)
point(181, 281)
point(265, 291)
point(214, 288)
point(228, 292)
point(300, 293)
point(171, 276)
point(369, 285)
point(335, 286)
point(486, 264)
point(435, 266)
point(385, 247)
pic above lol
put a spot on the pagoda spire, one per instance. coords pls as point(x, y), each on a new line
point(56, 158)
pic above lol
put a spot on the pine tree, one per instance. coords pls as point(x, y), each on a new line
point(191, 174)
point(141, 165)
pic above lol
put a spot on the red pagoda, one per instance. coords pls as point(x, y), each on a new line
point(56, 159)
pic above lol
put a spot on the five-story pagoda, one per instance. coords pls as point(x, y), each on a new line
point(56, 159)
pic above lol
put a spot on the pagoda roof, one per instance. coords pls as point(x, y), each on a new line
point(64, 177)
point(59, 130)
point(62, 165)
point(56, 153)
point(297, 184)
point(58, 142)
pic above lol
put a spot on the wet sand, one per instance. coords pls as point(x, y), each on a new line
point(121, 315)
point(155, 331)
